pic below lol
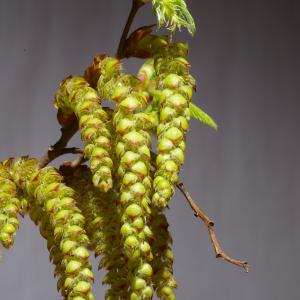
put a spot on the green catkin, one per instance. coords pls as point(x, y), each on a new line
point(103, 228)
point(46, 231)
point(10, 207)
point(75, 95)
point(61, 223)
point(132, 148)
point(173, 94)
point(164, 283)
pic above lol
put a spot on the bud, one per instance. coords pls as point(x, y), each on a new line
point(138, 283)
point(130, 104)
point(81, 253)
point(131, 241)
point(133, 211)
point(82, 287)
point(172, 81)
point(138, 223)
point(73, 266)
point(147, 293)
point(145, 270)
point(173, 134)
point(126, 229)
point(67, 246)
point(167, 114)
point(9, 229)
point(134, 138)
point(138, 189)
point(177, 101)
point(140, 168)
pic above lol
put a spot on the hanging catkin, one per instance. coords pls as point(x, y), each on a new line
point(103, 228)
point(75, 95)
point(65, 221)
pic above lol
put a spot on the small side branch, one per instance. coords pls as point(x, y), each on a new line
point(71, 150)
point(136, 5)
point(210, 226)
point(59, 147)
point(78, 161)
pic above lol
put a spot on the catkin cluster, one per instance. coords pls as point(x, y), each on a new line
point(115, 207)
point(53, 205)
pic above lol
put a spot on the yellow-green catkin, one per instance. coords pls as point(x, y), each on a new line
point(173, 94)
point(42, 219)
point(67, 241)
point(103, 228)
point(10, 207)
point(132, 148)
point(75, 95)
point(164, 283)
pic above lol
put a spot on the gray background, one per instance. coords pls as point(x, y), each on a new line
point(245, 57)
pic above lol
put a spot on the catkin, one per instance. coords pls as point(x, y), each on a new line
point(132, 148)
point(164, 283)
point(10, 207)
point(75, 95)
point(103, 228)
point(67, 241)
point(174, 91)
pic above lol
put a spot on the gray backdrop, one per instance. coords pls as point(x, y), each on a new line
point(245, 57)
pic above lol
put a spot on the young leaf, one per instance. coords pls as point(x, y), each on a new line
point(200, 115)
point(174, 13)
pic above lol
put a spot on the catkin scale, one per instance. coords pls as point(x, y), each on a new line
point(75, 95)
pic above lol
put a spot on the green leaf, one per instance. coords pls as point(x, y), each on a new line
point(200, 115)
point(174, 13)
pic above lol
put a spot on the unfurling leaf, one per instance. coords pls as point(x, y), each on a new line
point(200, 115)
point(173, 14)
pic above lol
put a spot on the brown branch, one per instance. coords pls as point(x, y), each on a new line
point(78, 161)
point(136, 5)
point(71, 150)
point(210, 226)
point(59, 147)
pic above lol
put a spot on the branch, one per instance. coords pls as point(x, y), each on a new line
point(210, 226)
point(136, 5)
point(78, 161)
point(68, 167)
point(72, 150)
point(59, 147)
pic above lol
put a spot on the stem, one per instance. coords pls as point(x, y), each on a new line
point(136, 5)
point(59, 147)
point(78, 161)
point(210, 226)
